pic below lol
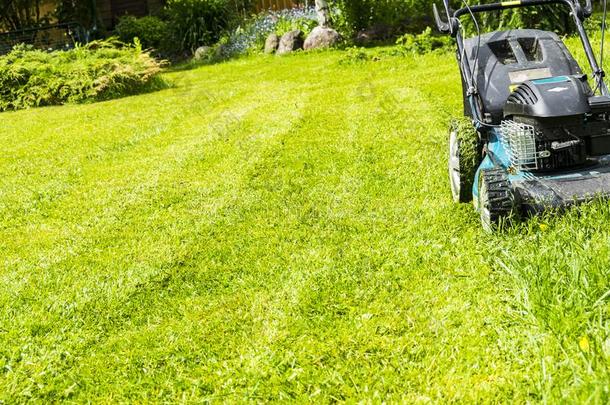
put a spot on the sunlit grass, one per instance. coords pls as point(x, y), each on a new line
point(282, 228)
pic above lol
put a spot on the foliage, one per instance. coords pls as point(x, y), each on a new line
point(350, 16)
point(407, 45)
point(79, 11)
point(20, 14)
point(398, 16)
point(247, 235)
point(548, 17)
point(304, 24)
point(424, 42)
point(151, 31)
point(201, 22)
point(100, 70)
point(250, 36)
point(354, 55)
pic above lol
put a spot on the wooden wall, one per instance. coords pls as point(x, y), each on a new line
point(47, 7)
point(276, 4)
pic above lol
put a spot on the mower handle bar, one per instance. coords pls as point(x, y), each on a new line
point(451, 26)
point(442, 26)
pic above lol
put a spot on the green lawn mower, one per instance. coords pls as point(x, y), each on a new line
point(537, 133)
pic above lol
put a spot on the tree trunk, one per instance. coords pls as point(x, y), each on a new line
point(323, 13)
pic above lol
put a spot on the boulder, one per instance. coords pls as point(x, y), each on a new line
point(322, 37)
point(203, 52)
point(272, 43)
point(291, 41)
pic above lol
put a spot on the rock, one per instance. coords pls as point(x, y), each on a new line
point(322, 37)
point(291, 41)
point(203, 52)
point(272, 43)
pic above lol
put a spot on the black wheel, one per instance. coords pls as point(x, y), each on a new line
point(464, 158)
point(496, 199)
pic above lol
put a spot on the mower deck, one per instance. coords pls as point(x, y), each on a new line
point(538, 192)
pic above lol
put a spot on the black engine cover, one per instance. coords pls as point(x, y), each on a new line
point(562, 96)
point(503, 59)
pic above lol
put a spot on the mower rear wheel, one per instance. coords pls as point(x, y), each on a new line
point(464, 158)
point(496, 199)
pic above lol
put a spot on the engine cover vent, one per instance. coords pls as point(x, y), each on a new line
point(523, 94)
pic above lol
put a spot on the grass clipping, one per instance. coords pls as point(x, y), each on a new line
point(470, 156)
point(100, 70)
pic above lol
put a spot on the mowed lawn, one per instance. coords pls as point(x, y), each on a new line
point(282, 229)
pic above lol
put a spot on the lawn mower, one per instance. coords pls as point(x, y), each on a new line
point(537, 133)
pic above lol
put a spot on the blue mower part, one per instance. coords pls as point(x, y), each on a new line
point(528, 193)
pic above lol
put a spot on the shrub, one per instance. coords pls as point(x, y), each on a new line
point(250, 36)
point(100, 70)
point(151, 31)
point(351, 16)
point(423, 43)
point(287, 23)
point(21, 14)
point(199, 22)
point(81, 13)
point(547, 17)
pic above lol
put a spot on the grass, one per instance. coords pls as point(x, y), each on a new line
point(282, 229)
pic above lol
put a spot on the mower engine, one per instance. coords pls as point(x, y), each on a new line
point(555, 123)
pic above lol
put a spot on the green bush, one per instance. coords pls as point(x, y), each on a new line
point(151, 31)
point(250, 36)
point(423, 43)
point(284, 25)
point(100, 70)
point(351, 16)
point(547, 17)
point(199, 22)
point(21, 14)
